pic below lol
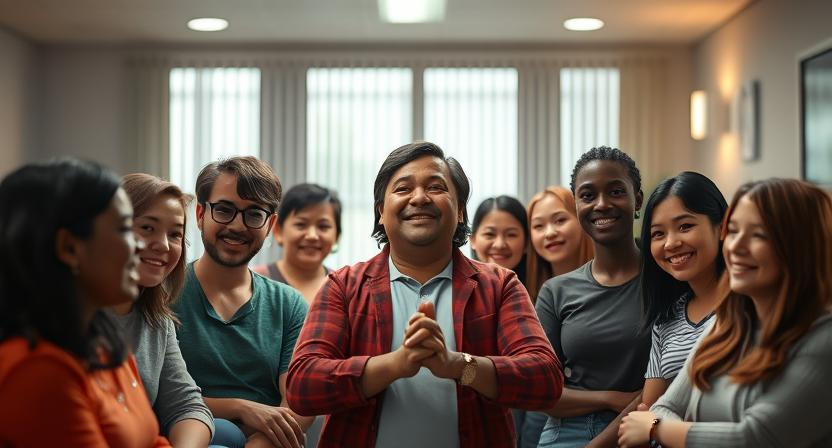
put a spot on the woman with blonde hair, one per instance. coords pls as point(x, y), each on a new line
point(557, 244)
point(761, 376)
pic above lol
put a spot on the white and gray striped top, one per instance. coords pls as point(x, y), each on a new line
point(673, 339)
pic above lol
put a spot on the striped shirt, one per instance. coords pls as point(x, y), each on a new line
point(673, 339)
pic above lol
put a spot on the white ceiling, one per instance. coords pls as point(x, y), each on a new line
point(356, 21)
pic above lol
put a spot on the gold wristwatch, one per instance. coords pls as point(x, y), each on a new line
point(469, 371)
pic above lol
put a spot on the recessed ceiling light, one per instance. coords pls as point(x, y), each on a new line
point(583, 24)
point(208, 24)
point(411, 11)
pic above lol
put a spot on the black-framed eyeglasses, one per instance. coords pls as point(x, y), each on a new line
point(224, 213)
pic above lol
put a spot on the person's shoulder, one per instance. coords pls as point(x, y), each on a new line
point(43, 360)
point(577, 277)
point(818, 340)
point(275, 290)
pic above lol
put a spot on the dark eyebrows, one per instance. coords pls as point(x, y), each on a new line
point(683, 216)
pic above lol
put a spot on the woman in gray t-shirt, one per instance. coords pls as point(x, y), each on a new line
point(159, 222)
point(760, 378)
point(592, 314)
point(682, 274)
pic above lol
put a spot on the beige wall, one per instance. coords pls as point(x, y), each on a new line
point(764, 42)
point(17, 71)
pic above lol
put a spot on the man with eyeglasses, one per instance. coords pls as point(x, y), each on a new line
point(238, 329)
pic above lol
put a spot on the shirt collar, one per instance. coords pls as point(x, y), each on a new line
point(395, 274)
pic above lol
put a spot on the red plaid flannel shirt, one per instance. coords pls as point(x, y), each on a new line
point(351, 320)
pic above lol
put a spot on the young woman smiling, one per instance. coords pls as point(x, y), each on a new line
point(308, 227)
point(591, 314)
point(681, 281)
point(500, 234)
point(557, 243)
point(760, 377)
point(66, 375)
point(159, 221)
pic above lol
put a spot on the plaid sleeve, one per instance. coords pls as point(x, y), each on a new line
point(528, 372)
point(322, 379)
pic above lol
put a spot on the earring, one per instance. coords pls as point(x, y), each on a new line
point(637, 214)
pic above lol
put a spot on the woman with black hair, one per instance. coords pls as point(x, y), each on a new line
point(500, 234)
point(682, 277)
point(308, 227)
point(68, 251)
point(591, 314)
point(760, 377)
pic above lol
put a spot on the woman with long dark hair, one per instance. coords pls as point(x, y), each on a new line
point(760, 377)
point(68, 251)
point(681, 279)
point(500, 234)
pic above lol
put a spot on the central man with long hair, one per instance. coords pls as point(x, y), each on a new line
point(421, 346)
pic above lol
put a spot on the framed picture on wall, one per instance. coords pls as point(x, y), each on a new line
point(816, 117)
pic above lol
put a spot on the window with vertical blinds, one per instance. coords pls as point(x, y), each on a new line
point(214, 113)
point(588, 113)
point(355, 117)
point(471, 113)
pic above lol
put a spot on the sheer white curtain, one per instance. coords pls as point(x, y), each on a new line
point(214, 113)
point(471, 113)
point(355, 117)
point(571, 103)
point(589, 106)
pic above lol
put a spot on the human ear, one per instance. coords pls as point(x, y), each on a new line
point(200, 215)
point(68, 249)
point(639, 200)
point(278, 238)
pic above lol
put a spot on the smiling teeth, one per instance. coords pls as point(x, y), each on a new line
point(154, 262)
point(677, 259)
point(603, 221)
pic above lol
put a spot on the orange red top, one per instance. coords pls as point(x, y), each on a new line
point(48, 398)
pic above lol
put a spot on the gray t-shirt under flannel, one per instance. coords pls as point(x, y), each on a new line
point(420, 411)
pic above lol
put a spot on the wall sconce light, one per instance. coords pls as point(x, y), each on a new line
point(698, 115)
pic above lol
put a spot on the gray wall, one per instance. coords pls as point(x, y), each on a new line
point(83, 104)
point(17, 100)
point(764, 42)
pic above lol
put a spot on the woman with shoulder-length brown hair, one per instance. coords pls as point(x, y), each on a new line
point(159, 222)
point(761, 376)
point(557, 244)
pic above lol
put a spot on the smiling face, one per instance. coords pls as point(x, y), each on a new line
point(232, 244)
point(499, 239)
point(307, 235)
point(606, 201)
point(753, 266)
point(162, 228)
point(107, 261)
point(420, 206)
point(684, 244)
point(555, 232)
